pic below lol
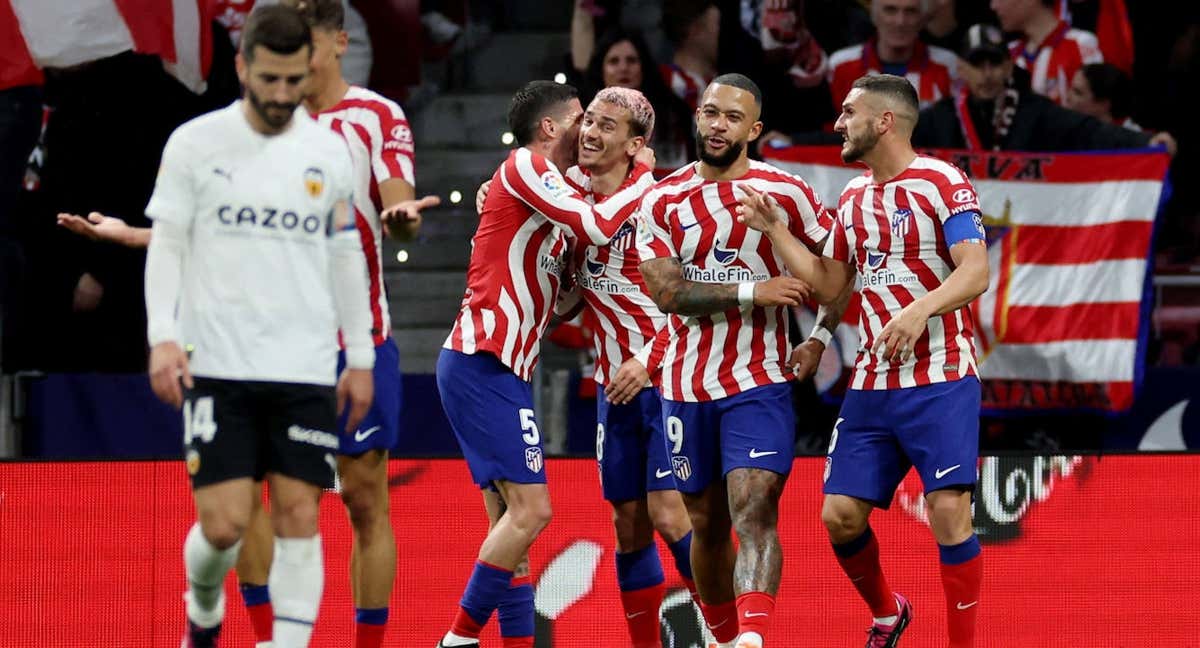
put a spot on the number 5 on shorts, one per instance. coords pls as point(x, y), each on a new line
point(675, 433)
point(198, 420)
point(531, 436)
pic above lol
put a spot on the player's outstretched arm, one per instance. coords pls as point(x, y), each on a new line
point(674, 294)
point(164, 274)
point(968, 280)
point(99, 227)
point(827, 277)
point(402, 219)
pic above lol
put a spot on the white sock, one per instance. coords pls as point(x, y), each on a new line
point(452, 639)
point(749, 639)
point(296, 581)
point(887, 620)
point(206, 568)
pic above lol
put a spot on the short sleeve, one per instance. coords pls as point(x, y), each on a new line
point(394, 156)
point(653, 234)
point(808, 220)
point(957, 194)
point(174, 197)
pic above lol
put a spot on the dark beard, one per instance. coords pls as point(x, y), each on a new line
point(721, 161)
point(860, 148)
point(260, 107)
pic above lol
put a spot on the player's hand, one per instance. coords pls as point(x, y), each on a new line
point(630, 379)
point(168, 366)
point(406, 214)
point(355, 389)
point(481, 195)
point(96, 227)
point(781, 291)
point(806, 357)
point(645, 156)
point(757, 210)
point(901, 334)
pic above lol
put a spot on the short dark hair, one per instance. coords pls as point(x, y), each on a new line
point(323, 14)
point(277, 28)
point(537, 99)
point(1110, 84)
point(741, 81)
point(678, 16)
point(894, 87)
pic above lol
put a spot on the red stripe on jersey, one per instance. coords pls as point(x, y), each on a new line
point(704, 358)
point(1063, 245)
point(367, 240)
point(758, 344)
point(387, 123)
point(19, 68)
point(677, 356)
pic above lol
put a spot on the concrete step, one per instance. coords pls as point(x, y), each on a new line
point(458, 222)
point(443, 253)
point(435, 164)
point(462, 120)
point(509, 60)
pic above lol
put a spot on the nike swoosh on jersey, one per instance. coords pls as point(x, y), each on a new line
point(661, 473)
point(755, 454)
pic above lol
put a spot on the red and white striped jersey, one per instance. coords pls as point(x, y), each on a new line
point(892, 234)
point(686, 85)
point(1053, 62)
point(620, 312)
point(691, 219)
point(519, 255)
point(381, 146)
point(932, 70)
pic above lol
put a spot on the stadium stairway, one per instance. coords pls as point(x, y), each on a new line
point(458, 146)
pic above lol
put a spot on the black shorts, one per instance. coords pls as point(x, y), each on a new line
point(236, 428)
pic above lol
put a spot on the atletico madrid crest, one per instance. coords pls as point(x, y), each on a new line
point(682, 467)
point(533, 459)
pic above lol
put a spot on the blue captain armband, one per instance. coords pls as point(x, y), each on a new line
point(963, 227)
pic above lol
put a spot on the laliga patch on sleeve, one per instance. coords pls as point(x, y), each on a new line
point(644, 235)
point(554, 183)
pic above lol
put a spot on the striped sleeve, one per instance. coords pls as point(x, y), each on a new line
point(536, 181)
point(808, 220)
point(653, 234)
point(392, 155)
point(837, 246)
point(956, 192)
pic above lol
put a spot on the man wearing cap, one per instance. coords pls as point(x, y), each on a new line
point(996, 110)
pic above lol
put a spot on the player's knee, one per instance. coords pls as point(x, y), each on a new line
point(364, 505)
point(670, 521)
point(222, 532)
point(295, 517)
point(633, 528)
point(843, 523)
point(533, 515)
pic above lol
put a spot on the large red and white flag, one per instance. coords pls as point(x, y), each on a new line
point(1064, 321)
point(62, 33)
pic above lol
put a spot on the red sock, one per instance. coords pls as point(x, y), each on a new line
point(368, 635)
point(465, 626)
point(862, 566)
point(754, 612)
point(641, 615)
point(722, 620)
point(262, 619)
point(518, 642)
point(962, 583)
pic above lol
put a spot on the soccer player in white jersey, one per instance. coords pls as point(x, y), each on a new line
point(635, 469)
point(911, 228)
point(727, 404)
point(381, 150)
point(254, 243)
point(518, 257)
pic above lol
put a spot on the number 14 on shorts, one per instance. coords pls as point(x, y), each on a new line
point(198, 422)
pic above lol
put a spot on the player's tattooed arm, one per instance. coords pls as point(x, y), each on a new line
point(674, 294)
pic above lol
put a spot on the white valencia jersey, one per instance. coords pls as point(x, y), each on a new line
point(519, 255)
point(262, 214)
point(691, 219)
point(892, 234)
point(381, 148)
point(619, 311)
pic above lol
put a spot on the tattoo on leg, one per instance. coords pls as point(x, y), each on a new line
point(754, 506)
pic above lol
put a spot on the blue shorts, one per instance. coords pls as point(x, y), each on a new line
point(491, 411)
point(380, 428)
point(880, 434)
point(631, 448)
point(753, 429)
